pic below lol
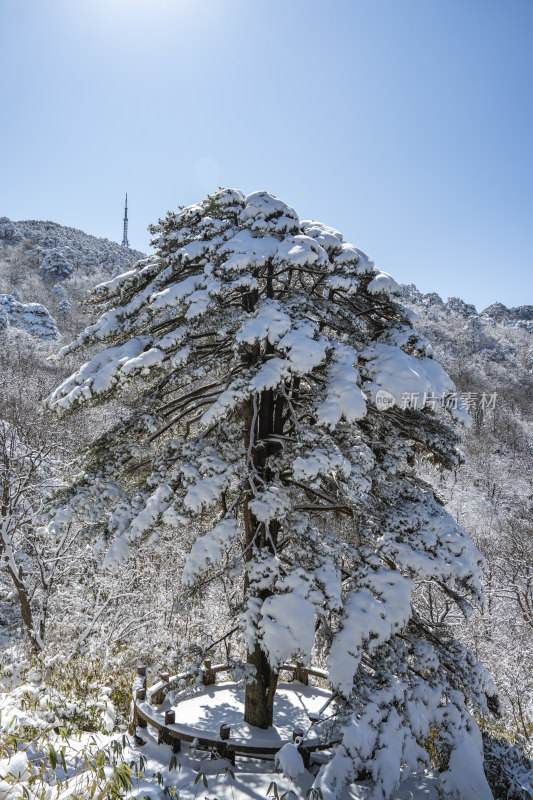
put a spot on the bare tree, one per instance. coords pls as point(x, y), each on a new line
point(33, 556)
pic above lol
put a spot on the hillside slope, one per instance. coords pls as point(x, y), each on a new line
point(490, 358)
point(52, 265)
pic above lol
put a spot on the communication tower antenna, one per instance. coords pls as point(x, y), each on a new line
point(125, 242)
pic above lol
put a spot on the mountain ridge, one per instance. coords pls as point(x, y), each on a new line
point(518, 315)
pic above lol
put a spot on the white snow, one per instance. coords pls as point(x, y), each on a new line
point(174, 295)
point(244, 250)
point(270, 322)
point(368, 621)
point(289, 760)
point(383, 282)
point(351, 256)
point(17, 767)
point(271, 374)
point(329, 238)
point(287, 627)
point(465, 775)
point(274, 502)
point(405, 377)
point(305, 346)
point(205, 709)
point(319, 461)
point(97, 375)
point(344, 398)
point(209, 549)
point(263, 204)
point(154, 506)
point(301, 251)
point(30, 317)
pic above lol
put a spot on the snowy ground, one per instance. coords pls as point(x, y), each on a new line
point(195, 774)
point(253, 777)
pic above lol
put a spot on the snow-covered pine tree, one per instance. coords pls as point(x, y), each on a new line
point(58, 263)
point(260, 355)
point(31, 317)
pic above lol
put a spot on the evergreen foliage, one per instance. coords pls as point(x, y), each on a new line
point(253, 350)
point(57, 263)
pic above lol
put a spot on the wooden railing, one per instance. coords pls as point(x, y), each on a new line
point(208, 672)
point(145, 699)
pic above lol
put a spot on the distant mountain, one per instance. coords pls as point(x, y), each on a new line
point(46, 242)
point(521, 316)
point(45, 269)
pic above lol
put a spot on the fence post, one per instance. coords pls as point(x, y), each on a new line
point(225, 732)
point(140, 694)
point(158, 696)
point(208, 675)
point(163, 735)
point(300, 674)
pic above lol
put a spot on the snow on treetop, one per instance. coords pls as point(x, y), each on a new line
point(227, 242)
point(382, 282)
point(328, 237)
point(265, 206)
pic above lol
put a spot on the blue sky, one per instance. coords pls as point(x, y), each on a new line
point(407, 125)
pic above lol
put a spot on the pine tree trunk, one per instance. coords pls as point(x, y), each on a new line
point(259, 699)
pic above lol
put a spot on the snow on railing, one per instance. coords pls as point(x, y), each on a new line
point(207, 673)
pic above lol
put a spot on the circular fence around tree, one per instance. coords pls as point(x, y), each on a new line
point(192, 707)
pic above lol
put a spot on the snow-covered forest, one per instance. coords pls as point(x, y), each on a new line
point(254, 447)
